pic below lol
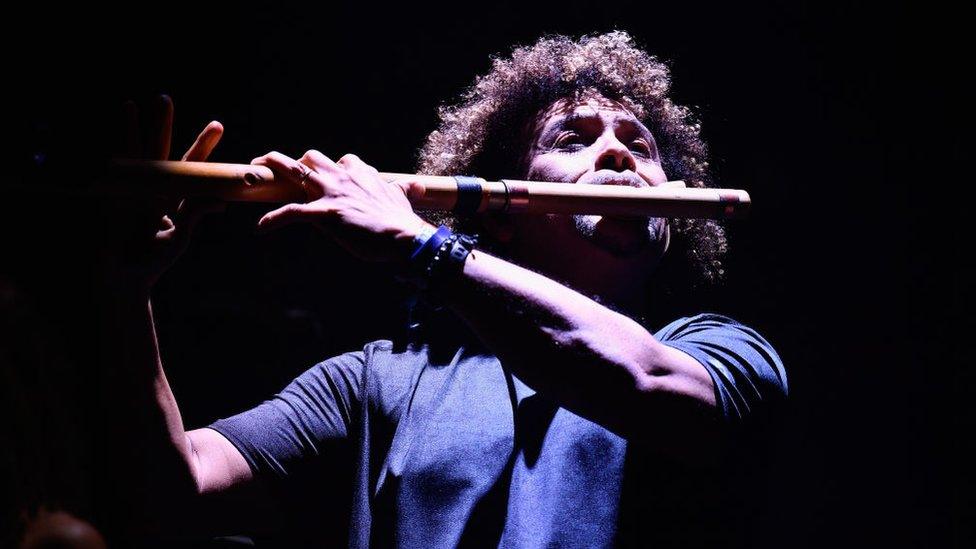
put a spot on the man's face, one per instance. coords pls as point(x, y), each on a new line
point(596, 141)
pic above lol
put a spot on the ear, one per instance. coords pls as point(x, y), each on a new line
point(499, 227)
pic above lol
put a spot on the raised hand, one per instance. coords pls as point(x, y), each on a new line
point(366, 215)
point(147, 235)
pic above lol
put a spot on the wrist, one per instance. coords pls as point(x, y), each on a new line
point(410, 239)
point(423, 248)
point(437, 261)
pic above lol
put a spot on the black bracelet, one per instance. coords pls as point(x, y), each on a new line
point(449, 259)
point(446, 264)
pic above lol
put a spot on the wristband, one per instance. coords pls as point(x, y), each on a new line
point(436, 259)
point(449, 259)
point(427, 241)
point(426, 244)
point(446, 265)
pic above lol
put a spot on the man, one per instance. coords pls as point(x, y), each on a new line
point(548, 417)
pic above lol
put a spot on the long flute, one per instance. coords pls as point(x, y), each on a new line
point(249, 183)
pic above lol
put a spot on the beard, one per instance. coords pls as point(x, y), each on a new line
point(623, 237)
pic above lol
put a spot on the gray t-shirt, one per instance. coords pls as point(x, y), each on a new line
point(449, 449)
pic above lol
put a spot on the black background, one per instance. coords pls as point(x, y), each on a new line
point(815, 110)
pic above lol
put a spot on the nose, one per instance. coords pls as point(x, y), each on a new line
point(615, 156)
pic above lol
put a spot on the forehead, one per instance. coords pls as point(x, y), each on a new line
point(589, 101)
point(590, 105)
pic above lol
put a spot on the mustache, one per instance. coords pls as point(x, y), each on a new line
point(610, 177)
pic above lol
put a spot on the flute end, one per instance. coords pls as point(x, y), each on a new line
point(735, 204)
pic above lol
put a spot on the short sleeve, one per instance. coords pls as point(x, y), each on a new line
point(745, 369)
point(315, 410)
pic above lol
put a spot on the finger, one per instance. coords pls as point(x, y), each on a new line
point(316, 185)
point(205, 143)
point(319, 162)
point(365, 175)
point(287, 166)
point(139, 214)
point(158, 143)
point(360, 172)
point(286, 215)
point(192, 210)
point(354, 164)
point(412, 188)
point(133, 139)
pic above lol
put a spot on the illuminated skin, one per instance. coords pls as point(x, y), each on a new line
point(598, 142)
point(547, 327)
point(556, 336)
point(595, 142)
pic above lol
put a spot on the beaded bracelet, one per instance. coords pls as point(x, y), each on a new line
point(436, 257)
point(428, 240)
point(449, 259)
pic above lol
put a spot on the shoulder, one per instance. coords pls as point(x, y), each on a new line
point(380, 355)
point(390, 372)
point(744, 366)
point(348, 377)
point(385, 362)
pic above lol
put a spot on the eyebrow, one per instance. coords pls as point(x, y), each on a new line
point(576, 117)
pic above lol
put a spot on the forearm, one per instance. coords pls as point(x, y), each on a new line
point(587, 357)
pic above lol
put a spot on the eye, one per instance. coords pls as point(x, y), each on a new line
point(568, 140)
point(641, 147)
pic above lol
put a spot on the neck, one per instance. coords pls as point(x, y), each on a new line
point(610, 283)
point(619, 284)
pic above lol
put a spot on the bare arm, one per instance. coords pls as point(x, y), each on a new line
point(166, 481)
point(162, 479)
point(206, 461)
point(590, 359)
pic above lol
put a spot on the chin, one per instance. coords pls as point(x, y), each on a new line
point(624, 238)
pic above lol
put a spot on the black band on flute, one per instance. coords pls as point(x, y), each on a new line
point(469, 194)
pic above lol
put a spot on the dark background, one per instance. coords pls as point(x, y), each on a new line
point(817, 111)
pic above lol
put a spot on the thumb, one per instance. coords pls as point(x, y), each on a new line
point(412, 188)
point(285, 215)
point(191, 210)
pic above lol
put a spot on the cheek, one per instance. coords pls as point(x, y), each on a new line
point(553, 168)
point(654, 174)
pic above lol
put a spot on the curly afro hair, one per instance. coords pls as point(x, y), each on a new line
point(485, 133)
